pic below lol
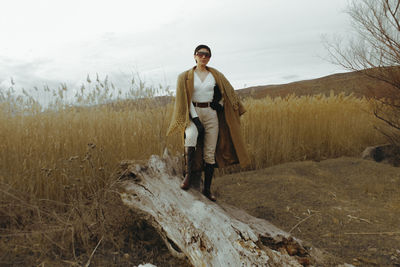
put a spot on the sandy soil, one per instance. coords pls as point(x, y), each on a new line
point(348, 207)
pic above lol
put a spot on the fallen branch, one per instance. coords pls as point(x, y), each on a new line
point(207, 233)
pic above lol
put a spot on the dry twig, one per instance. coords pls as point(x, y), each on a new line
point(94, 250)
point(374, 233)
point(300, 222)
point(360, 219)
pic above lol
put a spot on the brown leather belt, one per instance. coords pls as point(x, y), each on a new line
point(201, 105)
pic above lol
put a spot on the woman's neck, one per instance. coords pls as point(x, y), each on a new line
point(201, 68)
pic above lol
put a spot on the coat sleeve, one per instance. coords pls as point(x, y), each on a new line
point(180, 113)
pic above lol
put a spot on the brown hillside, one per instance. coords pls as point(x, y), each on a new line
point(350, 82)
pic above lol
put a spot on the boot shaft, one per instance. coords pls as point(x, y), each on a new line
point(208, 175)
point(188, 158)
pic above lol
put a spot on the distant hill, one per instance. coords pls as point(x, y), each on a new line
point(354, 83)
point(350, 83)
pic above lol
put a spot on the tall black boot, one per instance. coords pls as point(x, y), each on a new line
point(189, 155)
point(208, 175)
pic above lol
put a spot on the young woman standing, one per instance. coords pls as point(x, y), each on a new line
point(207, 108)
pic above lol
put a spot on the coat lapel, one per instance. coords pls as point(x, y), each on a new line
point(190, 84)
point(217, 80)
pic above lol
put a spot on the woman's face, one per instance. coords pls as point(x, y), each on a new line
point(202, 56)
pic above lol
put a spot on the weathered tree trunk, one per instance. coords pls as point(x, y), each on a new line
point(207, 233)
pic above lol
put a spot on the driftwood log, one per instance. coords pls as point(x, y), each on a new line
point(207, 233)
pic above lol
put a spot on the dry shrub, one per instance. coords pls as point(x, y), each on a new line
point(388, 111)
point(39, 226)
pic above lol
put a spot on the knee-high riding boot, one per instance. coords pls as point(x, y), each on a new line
point(189, 155)
point(208, 174)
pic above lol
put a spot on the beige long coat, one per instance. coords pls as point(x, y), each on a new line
point(231, 148)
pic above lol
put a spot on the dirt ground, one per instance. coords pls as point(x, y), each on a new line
point(348, 207)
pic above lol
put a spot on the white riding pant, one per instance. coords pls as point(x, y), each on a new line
point(209, 119)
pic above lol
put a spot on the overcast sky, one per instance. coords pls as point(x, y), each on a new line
point(253, 42)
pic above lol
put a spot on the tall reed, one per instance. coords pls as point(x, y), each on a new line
point(309, 127)
point(58, 162)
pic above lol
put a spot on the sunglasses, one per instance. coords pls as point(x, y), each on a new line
point(201, 54)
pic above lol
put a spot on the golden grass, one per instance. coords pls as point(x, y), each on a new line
point(57, 166)
point(309, 127)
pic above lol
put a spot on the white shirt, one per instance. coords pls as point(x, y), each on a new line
point(203, 91)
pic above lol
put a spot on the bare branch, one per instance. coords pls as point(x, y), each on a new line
point(387, 103)
point(390, 123)
point(392, 12)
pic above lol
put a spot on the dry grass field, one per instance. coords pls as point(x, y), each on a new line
point(59, 201)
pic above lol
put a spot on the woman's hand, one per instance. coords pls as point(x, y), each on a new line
point(199, 126)
point(216, 106)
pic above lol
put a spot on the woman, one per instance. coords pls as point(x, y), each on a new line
point(207, 112)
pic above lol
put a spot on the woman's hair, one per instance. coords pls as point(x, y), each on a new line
point(200, 47)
